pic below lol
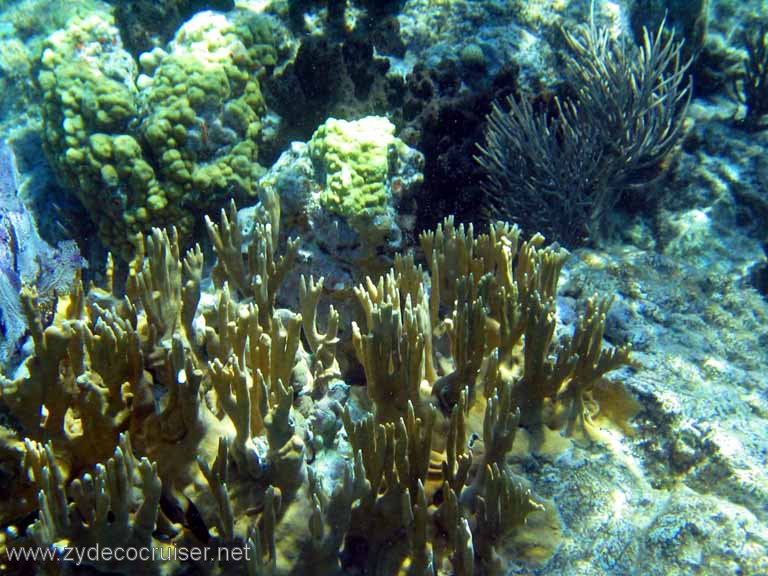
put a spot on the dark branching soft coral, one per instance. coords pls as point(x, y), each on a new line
point(562, 173)
point(752, 83)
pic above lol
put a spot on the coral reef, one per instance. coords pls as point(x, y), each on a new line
point(354, 158)
point(182, 418)
point(350, 194)
point(375, 20)
point(26, 25)
point(339, 404)
point(698, 435)
point(147, 24)
point(15, 68)
point(160, 147)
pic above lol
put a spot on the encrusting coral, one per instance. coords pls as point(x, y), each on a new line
point(181, 419)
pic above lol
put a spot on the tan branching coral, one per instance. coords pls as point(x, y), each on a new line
point(116, 506)
point(592, 362)
point(501, 508)
point(392, 350)
point(466, 330)
point(322, 345)
point(397, 460)
point(513, 286)
point(331, 515)
point(399, 464)
point(257, 273)
point(74, 391)
point(456, 359)
point(156, 281)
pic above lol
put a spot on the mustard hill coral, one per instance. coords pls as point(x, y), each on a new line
point(364, 172)
point(151, 149)
point(355, 161)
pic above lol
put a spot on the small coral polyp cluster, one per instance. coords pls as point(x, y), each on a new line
point(173, 417)
point(143, 150)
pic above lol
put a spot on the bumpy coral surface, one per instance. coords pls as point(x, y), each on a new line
point(355, 160)
point(153, 149)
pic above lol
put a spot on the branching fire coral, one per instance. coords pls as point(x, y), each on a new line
point(179, 419)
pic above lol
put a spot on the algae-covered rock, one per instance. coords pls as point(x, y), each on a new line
point(153, 149)
point(147, 23)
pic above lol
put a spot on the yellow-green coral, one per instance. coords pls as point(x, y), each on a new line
point(142, 150)
point(355, 158)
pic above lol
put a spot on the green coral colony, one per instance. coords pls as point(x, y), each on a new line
point(355, 155)
point(163, 146)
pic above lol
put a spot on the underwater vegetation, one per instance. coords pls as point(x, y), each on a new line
point(752, 83)
point(563, 171)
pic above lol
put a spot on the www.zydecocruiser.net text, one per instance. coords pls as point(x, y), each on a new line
point(97, 554)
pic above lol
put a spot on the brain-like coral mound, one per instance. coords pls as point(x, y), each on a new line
point(153, 149)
